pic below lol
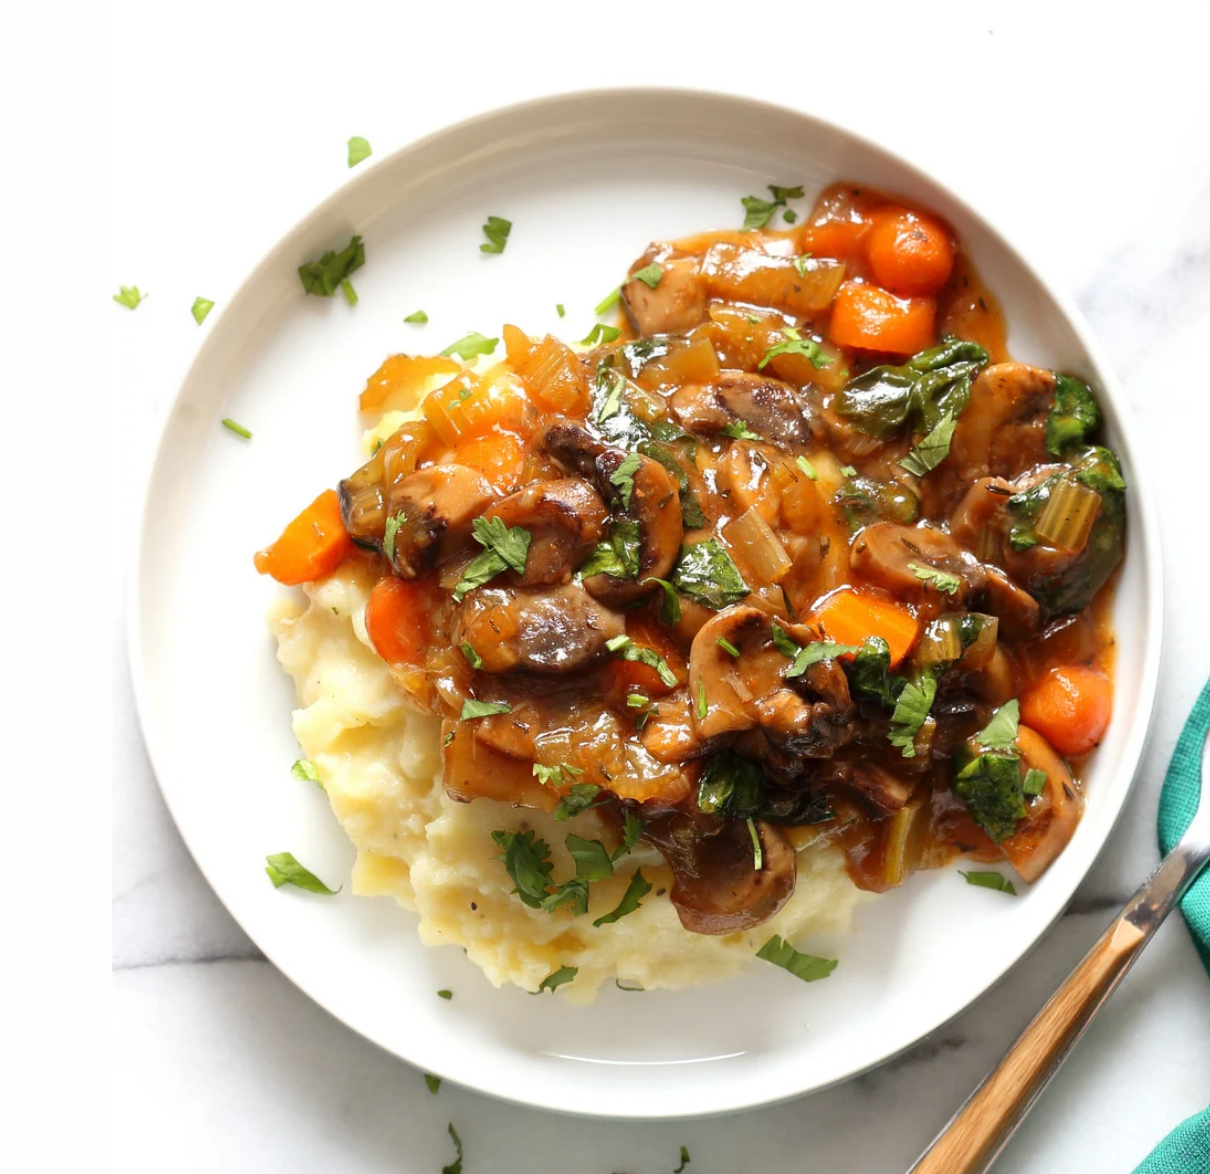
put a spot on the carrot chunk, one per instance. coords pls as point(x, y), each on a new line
point(1070, 707)
point(848, 615)
point(397, 619)
point(910, 254)
point(398, 383)
point(870, 318)
point(311, 546)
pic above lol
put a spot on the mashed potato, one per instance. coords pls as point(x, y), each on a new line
point(381, 765)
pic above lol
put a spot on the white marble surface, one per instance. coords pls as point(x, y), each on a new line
point(1086, 142)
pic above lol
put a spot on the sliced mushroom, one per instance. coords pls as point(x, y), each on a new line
point(565, 520)
point(546, 630)
point(1019, 612)
point(363, 496)
point(1051, 818)
point(716, 888)
point(882, 790)
point(977, 521)
point(771, 408)
point(654, 502)
point(1003, 428)
point(435, 508)
point(889, 554)
point(569, 444)
point(721, 702)
point(678, 301)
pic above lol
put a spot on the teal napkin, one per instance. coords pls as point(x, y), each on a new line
point(1186, 1150)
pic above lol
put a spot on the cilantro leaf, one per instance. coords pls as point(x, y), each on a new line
point(622, 479)
point(670, 609)
point(805, 966)
point(650, 275)
point(989, 880)
point(504, 547)
point(572, 892)
point(942, 580)
point(618, 555)
point(447, 995)
point(556, 978)
point(632, 829)
point(1034, 783)
point(283, 869)
point(757, 212)
point(238, 429)
point(911, 710)
point(816, 651)
point(625, 649)
point(706, 573)
point(389, 531)
point(608, 302)
point(933, 449)
point(481, 569)
point(322, 278)
point(600, 333)
point(783, 643)
point(808, 468)
point(638, 888)
point(359, 150)
point(419, 318)
point(496, 230)
point(870, 677)
point(592, 861)
point(612, 383)
point(1001, 732)
point(730, 786)
point(200, 308)
point(434, 1083)
point(580, 797)
point(685, 1158)
point(527, 861)
point(472, 657)
point(304, 769)
point(559, 309)
point(129, 296)
point(781, 195)
point(469, 346)
point(455, 1167)
point(991, 787)
point(472, 709)
point(739, 430)
point(793, 343)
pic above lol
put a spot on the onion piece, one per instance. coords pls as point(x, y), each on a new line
point(754, 544)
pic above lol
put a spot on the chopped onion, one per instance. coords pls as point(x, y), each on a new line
point(941, 642)
point(979, 652)
point(1066, 519)
point(756, 546)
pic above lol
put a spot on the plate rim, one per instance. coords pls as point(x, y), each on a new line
point(1148, 538)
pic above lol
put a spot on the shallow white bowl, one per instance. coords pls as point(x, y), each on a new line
point(587, 180)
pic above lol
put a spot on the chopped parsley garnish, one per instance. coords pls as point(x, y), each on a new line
point(758, 855)
point(200, 308)
point(942, 580)
point(685, 1158)
point(632, 829)
point(238, 429)
point(638, 888)
point(1034, 783)
point(848, 471)
point(808, 468)
point(789, 216)
point(624, 648)
point(739, 430)
point(448, 740)
point(557, 978)
point(129, 296)
point(990, 880)
point(445, 995)
point(527, 861)
point(472, 709)
point(560, 310)
point(702, 707)
point(782, 642)
point(800, 264)
point(650, 275)
point(805, 966)
point(706, 573)
point(622, 479)
point(359, 150)
point(472, 657)
point(781, 194)
point(419, 318)
point(757, 212)
point(637, 700)
point(608, 302)
point(727, 646)
point(670, 609)
point(349, 292)
point(618, 983)
point(600, 333)
point(911, 710)
point(304, 769)
point(793, 343)
point(455, 1167)
point(933, 449)
point(434, 1083)
point(470, 346)
point(389, 531)
point(580, 797)
point(504, 546)
point(1001, 732)
point(611, 405)
point(496, 230)
point(552, 776)
point(283, 869)
point(870, 677)
point(991, 787)
point(322, 278)
point(816, 651)
point(591, 860)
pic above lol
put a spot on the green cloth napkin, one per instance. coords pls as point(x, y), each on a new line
point(1186, 1150)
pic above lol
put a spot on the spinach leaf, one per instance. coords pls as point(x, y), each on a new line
point(865, 500)
point(705, 573)
point(991, 787)
point(870, 678)
point(1073, 415)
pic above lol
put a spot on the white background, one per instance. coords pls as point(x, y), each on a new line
point(1081, 131)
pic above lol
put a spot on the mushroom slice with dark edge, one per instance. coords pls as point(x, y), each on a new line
point(720, 701)
point(539, 630)
point(676, 303)
point(565, 520)
point(899, 558)
point(571, 445)
point(1051, 819)
point(434, 508)
point(1003, 428)
point(655, 505)
point(772, 409)
point(716, 887)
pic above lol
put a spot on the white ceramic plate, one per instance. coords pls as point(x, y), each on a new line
point(587, 180)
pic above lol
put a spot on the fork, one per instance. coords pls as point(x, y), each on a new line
point(977, 1133)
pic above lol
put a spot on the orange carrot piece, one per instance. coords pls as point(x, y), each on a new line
point(397, 619)
point(848, 615)
point(310, 547)
point(910, 254)
point(632, 676)
point(397, 384)
point(498, 456)
point(550, 370)
point(867, 317)
point(1070, 707)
